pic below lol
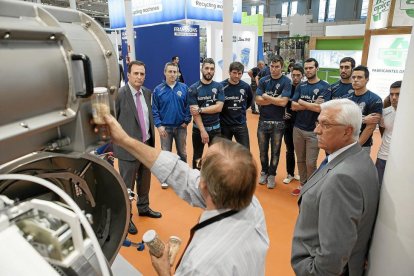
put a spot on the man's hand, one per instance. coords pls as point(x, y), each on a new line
point(162, 264)
point(320, 100)
point(162, 132)
point(204, 137)
point(117, 133)
point(194, 111)
point(373, 118)
point(184, 125)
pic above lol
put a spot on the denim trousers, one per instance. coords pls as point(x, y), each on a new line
point(290, 148)
point(380, 165)
point(198, 145)
point(179, 135)
point(270, 132)
point(240, 133)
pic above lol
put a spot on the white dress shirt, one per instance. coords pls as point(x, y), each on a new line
point(236, 245)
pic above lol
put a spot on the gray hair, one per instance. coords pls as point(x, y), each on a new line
point(349, 114)
point(170, 64)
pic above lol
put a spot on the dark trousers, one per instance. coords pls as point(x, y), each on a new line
point(198, 146)
point(253, 104)
point(290, 148)
point(270, 133)
point(134, 172)
point(240, 133)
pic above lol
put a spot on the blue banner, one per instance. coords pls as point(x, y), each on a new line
point(212, 10)
point(146, 12)
point(156, 45)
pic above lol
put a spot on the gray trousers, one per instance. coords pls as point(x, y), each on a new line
point(307, 151)
point(134, 172)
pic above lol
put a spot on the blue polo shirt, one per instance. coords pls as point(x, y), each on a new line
point(369, 102)
point(205, 95)
point(237, 98)
point(339, 89)
point(309, 92)
point(170, 105)
point(280, 87)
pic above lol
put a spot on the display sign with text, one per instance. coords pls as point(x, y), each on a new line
point(146, 12)
point(379, 14)
point(386, 61)
point(212, 10)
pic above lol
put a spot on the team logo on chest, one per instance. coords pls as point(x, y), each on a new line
point(214, 90)
point(350, 91)
point(242, 91)
point(179, 93)
point(315, 91)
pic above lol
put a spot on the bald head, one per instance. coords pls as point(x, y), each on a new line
point(230, 173)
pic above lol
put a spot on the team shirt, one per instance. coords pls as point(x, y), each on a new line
point(237, 98)
point(280, 87)
point(205, 95)
point(340, 89)
point(369, 103)
point(309, 92)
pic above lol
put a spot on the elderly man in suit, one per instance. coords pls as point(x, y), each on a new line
point(133, 112)
point(338, 204)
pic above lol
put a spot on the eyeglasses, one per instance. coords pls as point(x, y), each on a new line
point(326, 126)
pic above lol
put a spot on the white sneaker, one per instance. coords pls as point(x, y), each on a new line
point(288, 179)
point(263, 178)
point(271, 184)
point(164, 185)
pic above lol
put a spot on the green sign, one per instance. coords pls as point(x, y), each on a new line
point(396, 54)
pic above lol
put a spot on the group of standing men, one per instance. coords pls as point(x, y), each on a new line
point(331, 235)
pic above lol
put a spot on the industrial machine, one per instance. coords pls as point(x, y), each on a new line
point(50, 60)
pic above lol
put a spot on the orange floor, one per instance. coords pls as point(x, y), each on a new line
point(178, 217)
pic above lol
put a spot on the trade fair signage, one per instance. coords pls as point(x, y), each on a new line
point(380, 11)
point(149, 12)
point(386, 61)
point(212, 10)
point(403, 13)
point(146, 12)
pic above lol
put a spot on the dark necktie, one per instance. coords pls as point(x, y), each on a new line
point(323, 164)
point(141, 118)
point(204, 224)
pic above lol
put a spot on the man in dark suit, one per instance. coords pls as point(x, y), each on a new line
point(338, 204)
point(133, 112)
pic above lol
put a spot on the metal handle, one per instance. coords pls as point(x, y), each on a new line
point(87, 70)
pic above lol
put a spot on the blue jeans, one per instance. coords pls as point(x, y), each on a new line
point(179, 134)
point(380, 165)
point(240, 133)
point(198, 146)
point(270, 132)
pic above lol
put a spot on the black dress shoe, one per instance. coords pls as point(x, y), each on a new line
point(132, 229)
point(150, 213)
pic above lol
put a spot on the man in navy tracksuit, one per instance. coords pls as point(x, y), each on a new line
point(171, 112)
point(237, 98)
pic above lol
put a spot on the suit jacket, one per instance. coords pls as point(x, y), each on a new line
point(126, 114)
point(338, 207)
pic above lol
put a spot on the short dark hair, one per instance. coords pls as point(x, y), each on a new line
point(208, 60)
point(362, 68)
point(348, 59)
point(312, 60)
point(298, 67)
point(135, 62)
point(230, 175)
point(276, 59)
point(174, 58)
point(237, 66)
point(396, 84)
